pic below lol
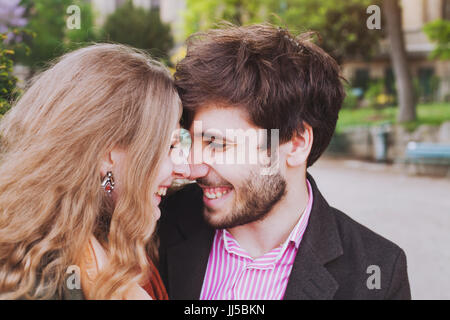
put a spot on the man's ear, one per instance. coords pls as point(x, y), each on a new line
point(300, 147)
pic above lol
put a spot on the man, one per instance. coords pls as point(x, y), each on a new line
point(245, 233)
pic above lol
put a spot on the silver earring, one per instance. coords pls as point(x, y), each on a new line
point(108, 182)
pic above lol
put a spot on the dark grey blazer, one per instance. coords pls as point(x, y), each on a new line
point(333, 261)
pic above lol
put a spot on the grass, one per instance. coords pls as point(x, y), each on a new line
point(432, 114)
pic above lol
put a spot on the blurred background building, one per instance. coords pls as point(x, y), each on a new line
point(416, 14)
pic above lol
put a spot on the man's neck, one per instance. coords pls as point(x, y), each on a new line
point(260, 237)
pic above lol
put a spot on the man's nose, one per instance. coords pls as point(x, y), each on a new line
point(197, 169)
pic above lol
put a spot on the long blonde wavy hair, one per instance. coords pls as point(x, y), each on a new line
point(52, 142)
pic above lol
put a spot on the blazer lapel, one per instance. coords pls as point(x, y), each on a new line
point(310, 279)
point(187, 262)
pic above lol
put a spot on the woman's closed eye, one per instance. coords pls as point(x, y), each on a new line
point(217, 145)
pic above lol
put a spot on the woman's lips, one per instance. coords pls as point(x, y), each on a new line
point(162, 191)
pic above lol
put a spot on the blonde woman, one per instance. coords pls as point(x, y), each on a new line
point(84, 161)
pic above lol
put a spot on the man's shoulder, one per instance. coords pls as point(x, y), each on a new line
point(367, 253)
point(353, 233)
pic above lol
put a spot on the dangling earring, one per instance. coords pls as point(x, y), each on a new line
point(108, 183)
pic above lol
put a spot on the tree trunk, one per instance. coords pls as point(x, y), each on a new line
point(405, 92)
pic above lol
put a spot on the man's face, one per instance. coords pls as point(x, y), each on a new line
point(234, 192)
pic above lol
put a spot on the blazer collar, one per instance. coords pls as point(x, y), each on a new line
point(309, 279)
point(321, 243)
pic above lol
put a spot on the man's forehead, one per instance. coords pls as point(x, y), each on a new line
point(220, 117)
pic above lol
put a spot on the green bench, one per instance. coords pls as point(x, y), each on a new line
point(428, 153)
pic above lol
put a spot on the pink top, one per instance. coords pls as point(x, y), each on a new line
point(232, 274)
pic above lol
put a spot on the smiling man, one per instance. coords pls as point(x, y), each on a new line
point(241, 234)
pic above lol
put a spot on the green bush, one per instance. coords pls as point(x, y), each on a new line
point(7, 79)
point(351, 101)
point(50, 37)
point(376, 95)
point(47, 22)
point(438, 31)
point(87, 33)
point(139, 28)
point(375, 89)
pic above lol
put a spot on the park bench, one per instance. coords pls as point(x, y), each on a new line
point(428, 153)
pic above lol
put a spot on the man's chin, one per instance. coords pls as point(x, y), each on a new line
point(226, 220)
point(215, 219)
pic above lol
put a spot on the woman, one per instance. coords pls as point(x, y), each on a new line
point(84, 161)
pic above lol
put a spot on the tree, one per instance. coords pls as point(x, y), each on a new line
point(405, 91)
point(87, 33)
point(139, 28)
point(341, 25)
point(439, 31)
point(47, 21)
point(52, 38)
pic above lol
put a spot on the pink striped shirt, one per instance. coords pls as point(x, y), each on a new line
point(232, 274)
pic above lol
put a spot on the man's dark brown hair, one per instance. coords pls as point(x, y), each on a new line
point(281, 81)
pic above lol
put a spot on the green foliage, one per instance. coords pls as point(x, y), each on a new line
point(432, 114)
point(439, 31)
point(342, 25)
point(202, 15)
point(47, 21)
point(7, 79)
point(52, 38)
point(76, 38)
point(139, 28)
point(351, 100)
point(375, 90)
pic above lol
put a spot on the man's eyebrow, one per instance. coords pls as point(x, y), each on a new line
point(216, 136)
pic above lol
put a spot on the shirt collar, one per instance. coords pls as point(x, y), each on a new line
point(299, 229)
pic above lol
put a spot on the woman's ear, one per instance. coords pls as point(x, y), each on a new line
point(113, 161)
point(300, 147)
point(106, 163)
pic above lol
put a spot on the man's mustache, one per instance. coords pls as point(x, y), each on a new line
point(213, 182)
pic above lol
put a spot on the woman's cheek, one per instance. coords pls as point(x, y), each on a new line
point(166, 170)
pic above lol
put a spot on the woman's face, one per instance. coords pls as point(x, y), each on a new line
point(169, 170)
point(171, 167)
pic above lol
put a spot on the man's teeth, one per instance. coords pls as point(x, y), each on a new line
point(215, 193)
point(162, 191)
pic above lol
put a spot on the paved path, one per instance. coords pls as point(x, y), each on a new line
point(412, 211)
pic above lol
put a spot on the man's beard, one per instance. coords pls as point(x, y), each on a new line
point(253, 201)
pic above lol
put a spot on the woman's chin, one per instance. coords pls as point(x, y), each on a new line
point(157, 199)
point(157, 213)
